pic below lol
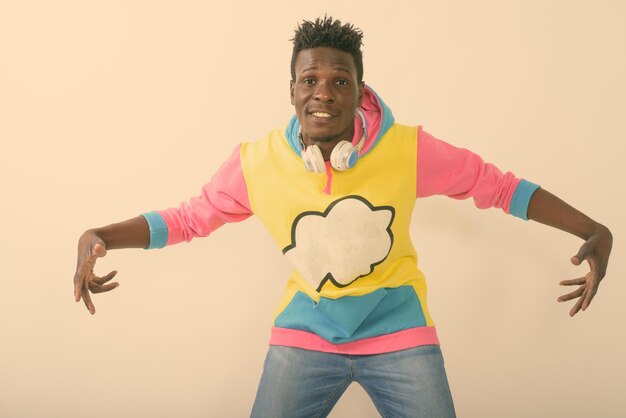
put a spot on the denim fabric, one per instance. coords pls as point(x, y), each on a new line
point(298, 383)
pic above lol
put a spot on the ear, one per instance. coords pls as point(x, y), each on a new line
point(291, 91)
point(359, 99)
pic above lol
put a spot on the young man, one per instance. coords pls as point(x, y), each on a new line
point(336, 190)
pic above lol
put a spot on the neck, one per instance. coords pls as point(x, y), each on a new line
point(324, 145)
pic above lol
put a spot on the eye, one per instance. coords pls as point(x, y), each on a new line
point(342, 82)
point(308, 81)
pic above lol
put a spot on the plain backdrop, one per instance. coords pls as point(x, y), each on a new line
point(113, 108)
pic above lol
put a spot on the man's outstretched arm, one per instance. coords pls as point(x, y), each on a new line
point(548, 209)
point(223, 199)
point(94, 243)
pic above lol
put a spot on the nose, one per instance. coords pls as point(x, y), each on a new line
point(324, 92)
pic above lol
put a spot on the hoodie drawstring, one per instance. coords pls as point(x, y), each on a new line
point(329, 177)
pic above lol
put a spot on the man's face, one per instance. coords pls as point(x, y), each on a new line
point(325, 94)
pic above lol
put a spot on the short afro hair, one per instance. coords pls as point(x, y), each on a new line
point(328, 32)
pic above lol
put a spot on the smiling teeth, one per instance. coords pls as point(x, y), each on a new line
point(321, 114)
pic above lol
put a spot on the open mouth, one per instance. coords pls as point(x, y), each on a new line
point(321, 114)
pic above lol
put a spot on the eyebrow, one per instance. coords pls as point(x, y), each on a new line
point(315, 67)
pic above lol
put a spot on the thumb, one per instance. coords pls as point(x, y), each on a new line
point(99, 249)
point(583, 253)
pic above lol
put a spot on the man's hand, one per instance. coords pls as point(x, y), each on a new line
point(548, 209)
point(90, 247)
point(596, 251)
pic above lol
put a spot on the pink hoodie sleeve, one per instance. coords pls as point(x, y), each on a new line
point(443, 169)
point(223, 199)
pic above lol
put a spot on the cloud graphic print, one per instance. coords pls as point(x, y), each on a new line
point(341, 244)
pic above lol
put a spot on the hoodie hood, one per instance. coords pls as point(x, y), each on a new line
point(378, 119)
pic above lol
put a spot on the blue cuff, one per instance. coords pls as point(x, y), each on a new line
point(521, 198)
point(158, 230)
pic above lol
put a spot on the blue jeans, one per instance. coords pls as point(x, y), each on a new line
point(301, 383)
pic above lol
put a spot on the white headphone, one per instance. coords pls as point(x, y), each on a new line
point(343, 156)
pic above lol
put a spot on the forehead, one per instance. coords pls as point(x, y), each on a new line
point(325, 58)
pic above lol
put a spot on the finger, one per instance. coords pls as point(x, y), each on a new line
point(593, 289)
point(579, 281)
point(87, 298)
point(576, 293)
point(78, 283)
point(104, 279)
point(577, 306)
point(83, 270)
point(98, 288)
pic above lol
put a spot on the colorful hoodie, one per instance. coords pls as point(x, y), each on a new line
point(355, 286)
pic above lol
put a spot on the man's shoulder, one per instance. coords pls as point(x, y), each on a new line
point(398, 132)
point(274, 142)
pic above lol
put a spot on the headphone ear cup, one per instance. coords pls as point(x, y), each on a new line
point(313, 159)
point(306, 159)
point(343, 156)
